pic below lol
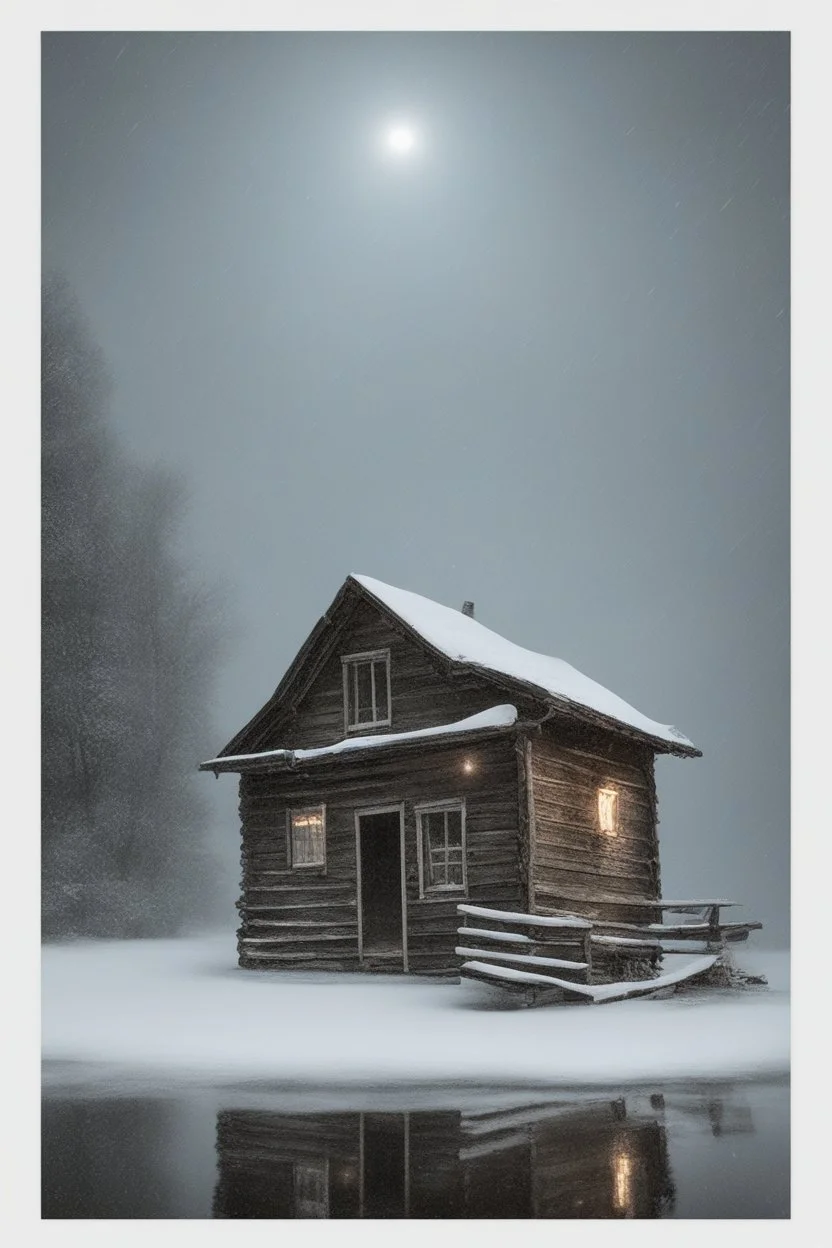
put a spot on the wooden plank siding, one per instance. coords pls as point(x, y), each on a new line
point(309, 916)
point(573, 864)
point(423, 692)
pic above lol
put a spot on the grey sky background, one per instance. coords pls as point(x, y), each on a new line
point(543, 365)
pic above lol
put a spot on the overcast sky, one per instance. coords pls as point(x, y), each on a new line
point(541, 363)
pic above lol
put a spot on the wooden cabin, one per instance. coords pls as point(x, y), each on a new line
point(411, 759)
point(602, 1159)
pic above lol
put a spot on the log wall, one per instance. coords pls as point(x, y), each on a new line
point(573, 863)
point(423, 693)
point(309, 917)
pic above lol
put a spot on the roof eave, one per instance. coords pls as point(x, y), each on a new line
point(288, 762)
point(585, 714)
point(659, 745)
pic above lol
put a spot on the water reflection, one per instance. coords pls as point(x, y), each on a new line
point(96, 1160)
point(603, 1160)
point(698, 1151)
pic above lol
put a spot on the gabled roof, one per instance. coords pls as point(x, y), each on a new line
point(464, 640)
point(463, 644)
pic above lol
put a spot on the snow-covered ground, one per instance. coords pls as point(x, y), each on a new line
point(182, 1009)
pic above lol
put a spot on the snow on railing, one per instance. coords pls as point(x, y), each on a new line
point(557, 948)
point(530, 920)
point(567, 936)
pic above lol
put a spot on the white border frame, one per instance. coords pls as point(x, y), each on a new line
point(359, 814)
point(437, 893)
point(366, 657)
point(810, 497)
point(299, 810)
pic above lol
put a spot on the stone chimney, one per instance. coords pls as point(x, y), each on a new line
point(468, 609)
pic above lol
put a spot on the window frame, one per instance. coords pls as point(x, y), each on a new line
point(371, 657)
point(291, 811)
point(434, 892)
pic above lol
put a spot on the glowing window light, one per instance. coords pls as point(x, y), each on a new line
point(622, 1183)
point(307, 838)
point(608, 811)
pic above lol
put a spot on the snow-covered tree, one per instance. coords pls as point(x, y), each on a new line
point(129, 647)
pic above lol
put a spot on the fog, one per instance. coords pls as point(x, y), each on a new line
point(541, 363)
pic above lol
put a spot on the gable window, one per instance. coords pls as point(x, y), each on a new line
point(608, 811)
point(440, 835)
point(366, 689)
point(307, 837)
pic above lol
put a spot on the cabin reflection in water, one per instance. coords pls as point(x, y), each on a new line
point(592, 1161)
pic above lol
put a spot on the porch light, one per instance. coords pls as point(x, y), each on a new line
point(608, 811)
point(469, 766)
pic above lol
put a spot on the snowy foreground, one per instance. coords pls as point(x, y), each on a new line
point(182, 1009)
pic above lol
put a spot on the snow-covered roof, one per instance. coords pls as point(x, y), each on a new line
point(465, 640)
point(494, 717)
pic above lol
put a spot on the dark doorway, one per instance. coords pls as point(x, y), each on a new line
point(384, 1156)
point(380, 868)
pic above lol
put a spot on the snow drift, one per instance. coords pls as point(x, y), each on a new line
point(183, 1008)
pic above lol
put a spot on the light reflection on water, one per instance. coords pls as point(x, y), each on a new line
point(698, 1151)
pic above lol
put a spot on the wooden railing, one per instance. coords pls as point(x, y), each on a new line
point(526, 946)
point(705, 925)
point(551, 955)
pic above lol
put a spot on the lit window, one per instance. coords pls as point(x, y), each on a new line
point(441, 843)
point(608, 811)
point(307, 837)
point(366, 689)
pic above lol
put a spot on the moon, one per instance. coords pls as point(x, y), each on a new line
point(400, 139)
